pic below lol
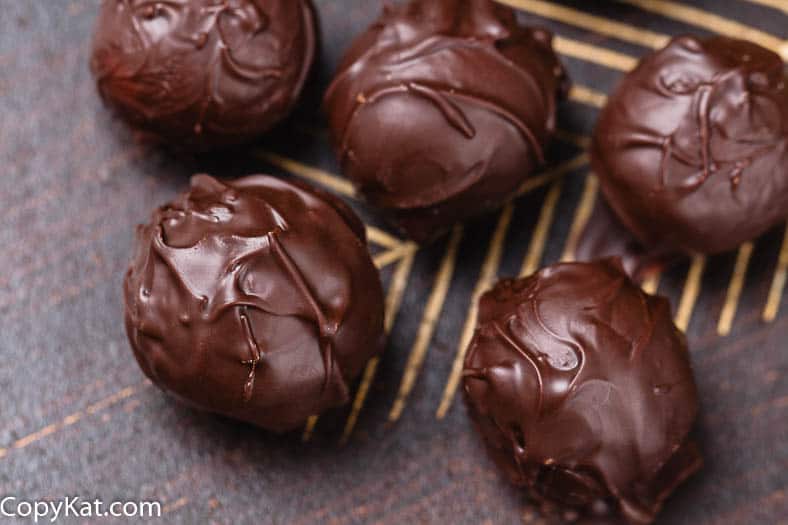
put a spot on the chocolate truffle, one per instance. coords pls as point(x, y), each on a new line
point(581, 385)
point(692, 148)
point(202, 74)
point(256, 299)
point(442, 109)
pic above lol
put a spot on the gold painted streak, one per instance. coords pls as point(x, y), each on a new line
point(591, 53)
point(428, 322)
point(488, 273)
point(620, 31)
point(582, 215)
point(776, 4)
point(395, 254)
point(552, 174)
point(581, 141)
point(70, 420)
point(778, 283)
point(651, 283)
point(175, 505)
point(309, 428)
point(539, 238)
point(382, 238)
point(689, 295)
point(733, 295)
point(588, 96)
point(329, 180)
point(713, 22)
point(393, 303)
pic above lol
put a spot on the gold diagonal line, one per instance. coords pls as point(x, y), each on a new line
point(782, 5)
point(70, 420)
point(651, 283)
point(778, 283)
point(309, 428)
point(582, 215)
point(175, 505)
point(428, 322)
point(597, 24)
point(395, 254)
point(539, 238)
point(581, 141)
point(588, 96)
point(382, 238)
point(488, 273)
point(552, 174)
point(393, 303)
point(735, 287)
point(591, 53)
point(712, 22)
point(329, 180)
point(689, 295)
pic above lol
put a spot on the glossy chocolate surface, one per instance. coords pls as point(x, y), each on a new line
point(581, 385)
point(442, 109)
point(692, 148)
point(255, 299)
point(202, 74)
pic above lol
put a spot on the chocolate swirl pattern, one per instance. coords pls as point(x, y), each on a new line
point(581, 385)
point(240, 301)
point(442, 109)
point(692, 149)
point(203, 73)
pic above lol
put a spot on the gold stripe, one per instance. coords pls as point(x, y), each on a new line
point(778, 284)
point(329, 180)
point(553, 174)
point(582, 215)
point(597, 24)
point(382, 260)
point(69, 420)
point(428, 322)
point(588, 96)
point(393, 303)
point(713, 22)
point(591, 53)
point(651, 283)
point(382, 238)
point(728, 313)
point(487, 275)
point(776, 4)
point(309, 428)
point(581, 141)
point(691, 291)
point(539, 238)
point(180, 502)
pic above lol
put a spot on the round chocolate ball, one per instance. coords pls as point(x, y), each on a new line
point(692, 148)
point(581, 386)
point(442, 109)
point(255, 299)
point(202, 74)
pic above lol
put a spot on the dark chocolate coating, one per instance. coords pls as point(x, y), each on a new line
point(255, 298)
point(581, 385)
point(692, 148)
point(203, 74)
point(442, 109)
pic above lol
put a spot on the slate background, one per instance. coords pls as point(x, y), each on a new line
point(77, 417)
